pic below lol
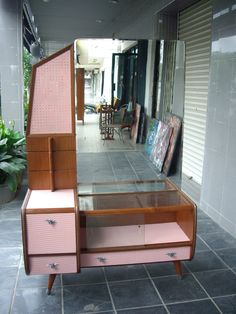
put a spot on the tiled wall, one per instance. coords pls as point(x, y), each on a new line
point(218, 195)
point(11, 61)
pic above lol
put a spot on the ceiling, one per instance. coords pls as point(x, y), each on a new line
point(61, 20)
point(65, 21)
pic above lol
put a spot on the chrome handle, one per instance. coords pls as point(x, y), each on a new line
point(101, 259)
point(51, 221)
point(52, 265)
point(171, 254)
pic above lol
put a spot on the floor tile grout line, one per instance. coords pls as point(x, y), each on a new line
point(119, 281)
point(109, 291)
point(140, 307)
point(225, 296)
point(206, 271)
point(85, 284)
point(204, 289)
point(62, 295)
point(113, 170)
point(215, 232)
point(152, 166)
point(221, 249)
point(188, 301)
point(131, 165)
point(213, 251)
point(97, 312)
point(16, 282)
point(155, 288)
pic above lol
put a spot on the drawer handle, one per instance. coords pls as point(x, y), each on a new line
point(171, 254)
point(52, 265)
point(101, 259)
point(51, 221)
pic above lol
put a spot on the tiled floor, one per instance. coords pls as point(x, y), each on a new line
point(208, 285)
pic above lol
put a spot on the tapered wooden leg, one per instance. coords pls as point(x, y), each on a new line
point(178, 268)
point(51, 279)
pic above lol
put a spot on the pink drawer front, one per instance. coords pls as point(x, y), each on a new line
point(135, 257)
point(52, 264)
point(51, 233)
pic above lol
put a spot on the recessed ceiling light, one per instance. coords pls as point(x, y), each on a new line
point(46, 1)
point(114, 1)
point(99, 21)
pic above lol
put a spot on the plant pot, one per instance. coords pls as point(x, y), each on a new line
point(6, 195)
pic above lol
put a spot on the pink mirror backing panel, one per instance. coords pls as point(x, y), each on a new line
point(51, 108)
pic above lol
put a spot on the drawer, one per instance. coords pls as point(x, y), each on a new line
point(135, 257)
point(51, 233)
point(40, 265)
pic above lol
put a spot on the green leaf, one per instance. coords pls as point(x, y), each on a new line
point(8, 167)
point(4, 156)
point(18, 167)
point(3, 142)
point(11, 181)
point(20, 142)
point(17, 160)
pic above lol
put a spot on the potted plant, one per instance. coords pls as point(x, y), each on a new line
point(12, 161)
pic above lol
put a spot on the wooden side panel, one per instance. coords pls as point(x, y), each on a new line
point(38, 161)
point(40, 143)
point(62, 160)
point(39, 180)
point(160, 217)
point(185, 219)
point(63, 179)
point(80, 93)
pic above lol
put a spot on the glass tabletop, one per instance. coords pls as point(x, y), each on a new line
point(129, 195)
point(124, 187)
point(133, 201)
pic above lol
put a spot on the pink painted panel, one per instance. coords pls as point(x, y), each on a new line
point(164, 233)
point(51, 233)
point(52, 264)
point(114, 236)
point(134, 257)
point(51, 110)
point(49, 199)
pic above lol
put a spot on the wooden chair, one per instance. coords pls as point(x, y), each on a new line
point(120, 120)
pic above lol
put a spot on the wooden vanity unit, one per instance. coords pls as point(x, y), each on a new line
point(66, 226)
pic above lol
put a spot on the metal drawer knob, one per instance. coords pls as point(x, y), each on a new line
point(51, 221)
point(171, 254)
point(101, 259)
point(52, 265)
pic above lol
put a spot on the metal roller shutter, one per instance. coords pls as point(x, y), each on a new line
point(195, 30)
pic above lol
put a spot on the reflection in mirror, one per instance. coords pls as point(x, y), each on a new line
point(121, 74)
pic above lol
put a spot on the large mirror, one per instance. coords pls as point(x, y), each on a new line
point(123, 74)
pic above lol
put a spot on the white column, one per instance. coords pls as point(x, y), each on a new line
point(11, 64)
